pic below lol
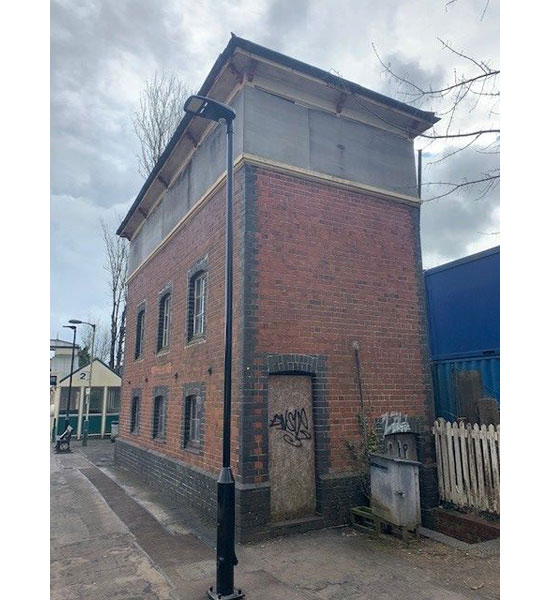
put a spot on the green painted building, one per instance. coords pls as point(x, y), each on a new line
point(98, 400)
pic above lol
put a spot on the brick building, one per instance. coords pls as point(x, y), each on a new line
point(327, 259)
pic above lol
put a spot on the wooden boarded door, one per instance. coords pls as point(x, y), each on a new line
point(291, 447)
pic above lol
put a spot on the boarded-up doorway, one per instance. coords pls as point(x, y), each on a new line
point(291, 447)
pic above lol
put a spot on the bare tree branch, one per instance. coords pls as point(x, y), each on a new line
point(454, 152)
point(481, 65)
point(488, 181)
point(102, 339)
point(460, 135)
point(459, 83)
point(484, 10)
point(451, 2)
point(116, 265)
point(466, 98)
point(160, 112)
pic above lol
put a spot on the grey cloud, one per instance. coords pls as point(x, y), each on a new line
point(94, 45)
point(339, 37)
point(102, 51)
point(458, 224)
point(113, 29)
point(411, 70)
point(78, 279)
point(285, 19)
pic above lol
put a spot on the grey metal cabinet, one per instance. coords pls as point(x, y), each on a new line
point(395, 490)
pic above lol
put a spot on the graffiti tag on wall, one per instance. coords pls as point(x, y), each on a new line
point(295, 425)
point(395, 422)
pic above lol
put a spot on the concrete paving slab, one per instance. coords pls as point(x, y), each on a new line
point(203, 570)
point(93, 554)
point(258, 585)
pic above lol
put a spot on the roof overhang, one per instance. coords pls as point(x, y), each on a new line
point(245, 63)
point(86, 366)
point(62, 345)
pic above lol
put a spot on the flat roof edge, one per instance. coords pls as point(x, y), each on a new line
point(463, 260)
point(284, 60)
point(330, 78)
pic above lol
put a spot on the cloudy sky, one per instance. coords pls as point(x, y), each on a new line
point(103, 51)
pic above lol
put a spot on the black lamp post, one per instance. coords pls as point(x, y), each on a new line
point(86, 425)
point(71, 374)
point(210, 109)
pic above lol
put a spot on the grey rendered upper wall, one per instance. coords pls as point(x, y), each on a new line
point(311, 139)
point(204, 168)
point(273, 128)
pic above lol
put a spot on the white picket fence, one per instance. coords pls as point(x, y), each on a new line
point(468, 464)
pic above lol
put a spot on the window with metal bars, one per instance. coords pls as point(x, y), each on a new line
point(197, 305)
point(159, 418)
point(134, 415)
point(191, 431)
point(140, 333)
point(165, 316)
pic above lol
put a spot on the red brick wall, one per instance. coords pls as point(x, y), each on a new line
point(203, 234)
point(331, 267)
point(334, 267)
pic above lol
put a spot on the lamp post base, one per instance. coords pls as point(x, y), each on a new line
point(85, 427)
point(234, 596)
point(225, 545)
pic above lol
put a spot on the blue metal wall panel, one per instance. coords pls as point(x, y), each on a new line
point(464, 306)
point(445, 396)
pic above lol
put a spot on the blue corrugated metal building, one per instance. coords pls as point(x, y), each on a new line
point(463, 299)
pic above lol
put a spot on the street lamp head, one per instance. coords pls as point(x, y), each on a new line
point(79, 322)
point(69, 326)
point(207, 108)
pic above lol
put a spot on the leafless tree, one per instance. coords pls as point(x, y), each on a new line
point(160, 112)
point(102, 340)
point(102, 344)
point(468, 104)
point(116, 265)
point(121, 335)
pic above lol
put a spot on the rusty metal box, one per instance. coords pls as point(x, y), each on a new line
point(401, 444)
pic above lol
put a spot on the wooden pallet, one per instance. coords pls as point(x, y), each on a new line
point(363, 518)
